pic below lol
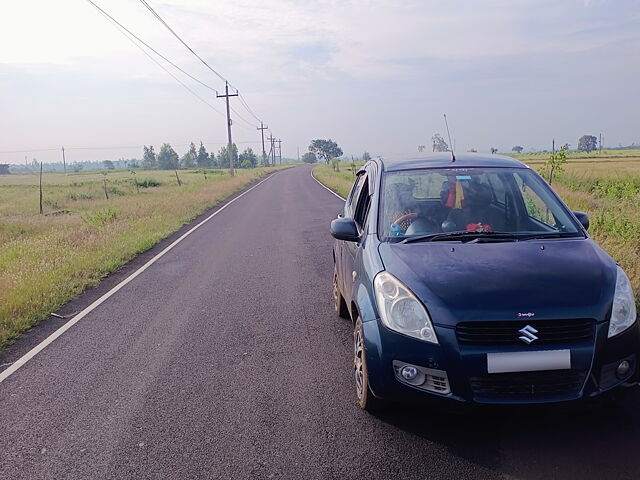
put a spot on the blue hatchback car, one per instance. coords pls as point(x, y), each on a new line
point(468, 279)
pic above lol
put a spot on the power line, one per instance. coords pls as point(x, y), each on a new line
point(151, 48)
point(123, 31)
point(120, 147)
point(242, 100)
point(242, 118)
point(155, 14)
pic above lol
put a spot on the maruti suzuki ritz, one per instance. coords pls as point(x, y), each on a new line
point(467, 278)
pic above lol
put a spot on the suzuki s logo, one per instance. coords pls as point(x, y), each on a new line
point(528, 334)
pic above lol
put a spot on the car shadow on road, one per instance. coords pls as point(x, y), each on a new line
point(594, 441)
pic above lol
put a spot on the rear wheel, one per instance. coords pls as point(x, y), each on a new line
point(339, 304)
point(366, 400)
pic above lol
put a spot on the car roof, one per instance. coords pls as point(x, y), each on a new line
point(443, 159)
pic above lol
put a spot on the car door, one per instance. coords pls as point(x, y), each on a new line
point(343, 264)
point(352, 250)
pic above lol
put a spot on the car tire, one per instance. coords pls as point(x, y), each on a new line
point(366, 399)
point(339, 304)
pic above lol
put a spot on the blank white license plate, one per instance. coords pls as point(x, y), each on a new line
point(528, 361)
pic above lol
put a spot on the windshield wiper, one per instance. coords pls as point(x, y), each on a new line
point(478, 237)
point(461, 235)
point(543, 235)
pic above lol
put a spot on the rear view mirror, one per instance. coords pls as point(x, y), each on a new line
point(583, 218)
point(345, 229)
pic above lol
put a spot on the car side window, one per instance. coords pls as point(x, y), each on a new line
point(535, 206)
point(353, 197)
point(363, 204)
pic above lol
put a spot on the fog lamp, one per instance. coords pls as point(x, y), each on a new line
point(622, 369)
point(409, 373)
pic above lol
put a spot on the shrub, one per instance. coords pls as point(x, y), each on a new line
point(101, 217)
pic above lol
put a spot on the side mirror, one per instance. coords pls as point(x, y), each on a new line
point(583, 218)
point(345, 229)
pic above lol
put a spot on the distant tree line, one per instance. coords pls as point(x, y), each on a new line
point(167, 158)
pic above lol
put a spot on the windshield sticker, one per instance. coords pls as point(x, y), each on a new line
point(463, 177)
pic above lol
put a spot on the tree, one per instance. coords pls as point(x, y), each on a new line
point(188, 160)
point(248, 159)
point(325, 149)
point(223, 156)
point(556, 161)
point(108, 164)
point(213, 161)
point(167, 158)
point(517, 149)
point(203, 159)
point(494, 150)
point(439, 145)
point(587, 143)
point(473, 150)
point(366, 156)
point(421, 148)
point(309, 157)
point(149, 158)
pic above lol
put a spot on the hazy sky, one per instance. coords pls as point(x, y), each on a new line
point(373, 75)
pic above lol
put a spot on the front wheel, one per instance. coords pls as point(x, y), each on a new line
point(366, 400)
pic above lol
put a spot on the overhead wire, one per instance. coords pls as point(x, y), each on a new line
point(161, 20)
point(124, 32)
point(155, 14)
point(244, 102)
point(152, 49)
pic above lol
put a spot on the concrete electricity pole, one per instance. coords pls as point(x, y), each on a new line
point(272, 152)
point(64, 161)
point(229, 147)
point(280, 151)
point(262, 128)
point(600, 143)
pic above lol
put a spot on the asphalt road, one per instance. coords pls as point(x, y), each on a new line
point(224, 360)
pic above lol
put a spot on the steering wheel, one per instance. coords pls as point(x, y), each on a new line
point(395, 226)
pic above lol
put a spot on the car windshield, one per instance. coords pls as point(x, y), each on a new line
point(465, 202)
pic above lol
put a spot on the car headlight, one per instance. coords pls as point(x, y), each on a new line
point(400, 310)
point(623, 313)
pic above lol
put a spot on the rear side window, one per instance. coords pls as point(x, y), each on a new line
point(353, 196)
point(362, 205)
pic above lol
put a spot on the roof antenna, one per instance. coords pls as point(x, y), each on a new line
point(453, 155)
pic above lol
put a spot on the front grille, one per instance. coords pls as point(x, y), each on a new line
point(527, 385)
point(507, 332)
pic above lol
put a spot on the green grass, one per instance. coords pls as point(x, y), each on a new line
point(340, 182)
point(46, 260)
point(608, 191)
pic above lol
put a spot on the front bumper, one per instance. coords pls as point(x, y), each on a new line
point(592, 373)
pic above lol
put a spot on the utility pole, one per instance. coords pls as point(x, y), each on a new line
point(229, 147)
point(298, 154)
point(272, 153)
point(280, 150)
point(64, 161)
point(262, 128)
point(600, 143)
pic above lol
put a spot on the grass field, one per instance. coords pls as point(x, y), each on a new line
point(46, 260)
point(608, 189)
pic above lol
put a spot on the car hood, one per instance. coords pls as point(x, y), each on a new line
point(551, 279)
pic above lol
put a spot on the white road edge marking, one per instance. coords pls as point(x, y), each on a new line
point(83, 313)
point(327, 188)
